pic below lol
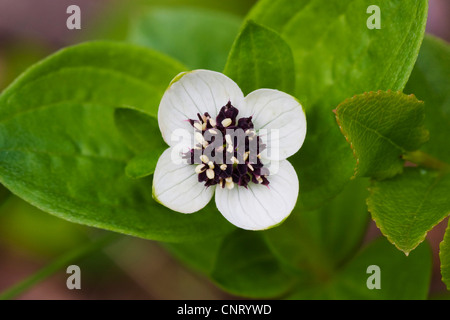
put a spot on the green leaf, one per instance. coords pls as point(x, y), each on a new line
point(430, 81)
point(139, 130)
point(143, 165)
point(4, 194)
point(318, 242)
point(246, 267)
point(260, 58)
point(26, 228)
point(401, 277)
point(444, 255)
point(381, 127)
point(337, 56)
point(407, 207)
point(199, 255)
point(200, 38)
point(60, 149)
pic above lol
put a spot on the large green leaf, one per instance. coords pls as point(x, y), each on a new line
point(200, 38)
point(260, 58)
point(337, 56)
point(444, 255)
point(246, 267)
point(140, 132)
point(60, 149)
point(317, 242)
point(381, 127)
point(407, 207)
point(401, 277)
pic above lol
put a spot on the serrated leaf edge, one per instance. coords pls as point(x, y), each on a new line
point(346, 135)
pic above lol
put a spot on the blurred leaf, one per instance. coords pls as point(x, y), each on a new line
point(61, 262)
point(336, 56)
point(199, 38)
point(70, 159)
point(430, 81)
point(143, 165)
point(317, 242)
point(200, 255)
point(246, 267)
point(139, 130)
point(402, 278)
point(407, 207)
point(17, 58)
point(381, 127)
point(4, 194)
point(260, 58)
point(25, 227)
point(444, 255)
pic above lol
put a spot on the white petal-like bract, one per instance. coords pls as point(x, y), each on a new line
point(276, 110)
point(261, 207)
point(193, 93)
point(176, 186)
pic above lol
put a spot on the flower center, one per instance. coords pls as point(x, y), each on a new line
point(227, 151)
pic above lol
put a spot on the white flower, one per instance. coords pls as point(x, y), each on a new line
point(248, 192)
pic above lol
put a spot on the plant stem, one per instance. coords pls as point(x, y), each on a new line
point(425, 160)
point(61, 262)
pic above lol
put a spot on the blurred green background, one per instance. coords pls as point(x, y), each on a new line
point(130, 268)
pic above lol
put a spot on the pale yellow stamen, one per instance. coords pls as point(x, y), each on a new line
point(204, 158)
point(210, 174)
point(198, 126)
point(200, 168)
point(199, 137)
point(229, 185)
point(227, 122)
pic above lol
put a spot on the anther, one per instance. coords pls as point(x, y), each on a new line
point(198, 126)
point(210, 174)
point(204, 158)
point(211, 165)
point(228, 139)
point(223, 167)
point(199, 137)
point(229, 185)
point(227, 122)
point(212, 122)
point(200, 168)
